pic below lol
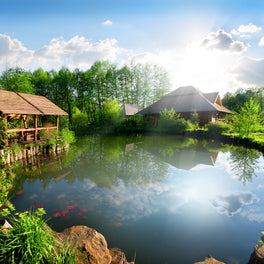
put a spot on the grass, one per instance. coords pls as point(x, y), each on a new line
point(32, 241)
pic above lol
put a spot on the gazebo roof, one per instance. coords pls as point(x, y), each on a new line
point(14, 103)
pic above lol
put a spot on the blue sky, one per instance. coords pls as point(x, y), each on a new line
point(212, 45)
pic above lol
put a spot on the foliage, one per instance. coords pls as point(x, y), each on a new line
point(6, 183)
point(79, 119)
point(244, 163)
point(32, 241)
point(247, 118)
point(89, 90)
point(29, 241)
point(218, 128)
point(2, 133)
point(111, 113)
point(234, 101)
point(67, 137)
point(171, 122)
point(195, 120)
point(17, 80)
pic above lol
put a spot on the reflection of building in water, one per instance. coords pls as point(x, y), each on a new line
point(185, 159)
point(129, 147)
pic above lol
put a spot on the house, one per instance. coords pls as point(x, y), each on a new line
point(15, 105)
point(187, 100)
point(131, 109)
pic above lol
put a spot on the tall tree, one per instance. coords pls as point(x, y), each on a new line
point(17, 80)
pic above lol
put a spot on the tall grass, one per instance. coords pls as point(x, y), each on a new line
point(32, 241)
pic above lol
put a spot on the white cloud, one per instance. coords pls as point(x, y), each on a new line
point(222, 41)
point(261, 42)
point(107, 23)
point(77, 52)
point(12, 51)
point(249, 72)
point(250, 28)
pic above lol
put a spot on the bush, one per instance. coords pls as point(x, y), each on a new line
point(67, 137)
point(218, 128)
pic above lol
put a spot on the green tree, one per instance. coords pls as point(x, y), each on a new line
point(17, 80)
point(112, 113)
point(248, 118)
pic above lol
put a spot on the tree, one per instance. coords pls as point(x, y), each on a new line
point(248, 118)
point(17, 80)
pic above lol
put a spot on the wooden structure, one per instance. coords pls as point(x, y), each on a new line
point(187, 100)
point(15, 105)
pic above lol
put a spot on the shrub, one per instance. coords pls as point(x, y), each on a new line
point(67, 136)
point(218, 128)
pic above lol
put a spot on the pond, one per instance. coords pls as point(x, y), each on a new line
point(170, 199)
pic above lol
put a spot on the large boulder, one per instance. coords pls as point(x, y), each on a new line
point(92, 246)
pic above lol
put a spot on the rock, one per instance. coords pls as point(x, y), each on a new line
point(92, 245)
point(210, 260)
point(257, 257)
point(90, 242)
point(118, 257)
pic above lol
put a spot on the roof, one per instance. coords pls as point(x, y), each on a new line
point(187, 99)
point(131, 109)
point(27, 104)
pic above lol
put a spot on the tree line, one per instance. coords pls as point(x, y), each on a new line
point(85, 93)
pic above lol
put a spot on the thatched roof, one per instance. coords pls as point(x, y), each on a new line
point(188, 99)
point(27, 104)
point(131, 109)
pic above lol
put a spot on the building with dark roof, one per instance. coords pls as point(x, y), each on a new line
point(187, 100)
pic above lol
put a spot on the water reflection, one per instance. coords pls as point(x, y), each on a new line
point(185, 153)
point(152, 188)
point(244, 163)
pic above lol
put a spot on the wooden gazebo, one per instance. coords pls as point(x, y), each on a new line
point(15, 105)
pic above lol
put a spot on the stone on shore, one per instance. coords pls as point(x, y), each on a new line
point(92, 245)
point(210, 260)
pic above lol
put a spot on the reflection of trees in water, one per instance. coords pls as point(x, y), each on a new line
point(244, 162)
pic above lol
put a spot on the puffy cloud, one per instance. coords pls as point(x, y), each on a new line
point(107, 23)
point(75, 52)
point(232, 204)
point(261, 42)
point(13, 51)
point(78, 51)
point(223, 41)
point(249, 72)
point(250, 28)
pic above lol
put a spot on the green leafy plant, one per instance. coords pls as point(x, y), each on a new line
point(218, 128)
point(67, 137)
point(29, 241)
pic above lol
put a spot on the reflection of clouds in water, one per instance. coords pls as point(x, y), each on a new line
point(33, 196)
point(134, 202)
point(232, 204)
point(254, 215)
point(61, 196)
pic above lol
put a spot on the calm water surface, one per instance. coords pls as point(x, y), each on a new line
point(170, 199)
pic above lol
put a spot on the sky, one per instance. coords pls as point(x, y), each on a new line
point(213, 45)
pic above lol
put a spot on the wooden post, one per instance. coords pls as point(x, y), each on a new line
point(57, 123)
point(36, 128)
point(6, 140)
